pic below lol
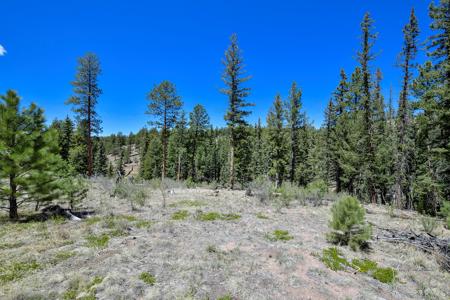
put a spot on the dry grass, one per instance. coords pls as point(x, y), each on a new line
point(229, 258)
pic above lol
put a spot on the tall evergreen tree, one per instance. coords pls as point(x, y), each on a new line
point(277, 141)
point(100, 161)
point(234, 79)
point(84, 102)
point(365, 56)
point(295, 122)
point(198, 126)
point(405, 144)
point(164, 107)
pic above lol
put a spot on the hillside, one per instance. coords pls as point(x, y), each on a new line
point(184, 254)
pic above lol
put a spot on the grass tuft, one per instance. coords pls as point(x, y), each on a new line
point(97, 241)
point(262, 216)
point(280, 235)
point(333, 258)
point(147, 278)
point(180, 215)
point(17, 270)
point(213, 216)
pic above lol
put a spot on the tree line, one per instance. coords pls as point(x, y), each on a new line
point(365, 147)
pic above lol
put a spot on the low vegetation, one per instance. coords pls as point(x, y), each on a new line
point(334, 259)
point(97, 241)
point(147, 278)
point(348, 224)
point(213, 216)
point(16, 270)
point(279, 235)
point(180, 215)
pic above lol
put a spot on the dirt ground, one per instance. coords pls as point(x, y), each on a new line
point(228, 258)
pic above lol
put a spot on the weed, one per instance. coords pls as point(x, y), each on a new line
point(188, 203)
point(62, 256)
point(213, 216)
point(333, 258)
point(11, 245)
point(143, 224)
point(97, 241)
point(279, 235)
point(211, 249)
point(17, 270)
point(226, 297)
point(147, 278)
point(429, 224)
point(180, 215)
point(261, 216)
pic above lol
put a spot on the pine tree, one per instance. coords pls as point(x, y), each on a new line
point(331, 162)
point(234, 79)
point(198, 125)
point(84, 102)
point(65, 140)
point(364, 57)
point(120, 164)
point(100, 161)
point(164, 107)
point(404, 123)
point(259, 159)
point(110, 172)
point(29, 155)
point(277, 141)
point(295, 122)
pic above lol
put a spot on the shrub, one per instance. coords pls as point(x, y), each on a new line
point(429, 224)
point(317, 189)
point(262, 189)
point(262, 216)
point(147, 278)
point(348, 224)
point(333, 258)
point(445, 212)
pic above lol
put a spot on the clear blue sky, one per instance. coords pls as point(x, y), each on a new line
point(142, 42)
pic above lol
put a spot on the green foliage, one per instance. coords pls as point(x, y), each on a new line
point(445, 212)
point(97, 241)
point(180, 215)
point(16, 270)
point(226, 297)
point(213, 216)
point(429, 224)
point(147, 278)
point(333, 258)
point(62, 256)
point(143, 224)
point(279, 235)
point(28, 148)
point(348, 224)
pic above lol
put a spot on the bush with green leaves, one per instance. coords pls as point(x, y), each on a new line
point(348, 224)
point(429, 224)
point(445, 213)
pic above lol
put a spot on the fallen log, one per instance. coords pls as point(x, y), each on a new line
point(52, 211)
point(428, 243)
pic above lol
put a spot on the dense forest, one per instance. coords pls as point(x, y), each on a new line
point(366, 147)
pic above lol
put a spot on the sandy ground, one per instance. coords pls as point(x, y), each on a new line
point(193, 259)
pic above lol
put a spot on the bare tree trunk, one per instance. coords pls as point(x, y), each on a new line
point(13, 215)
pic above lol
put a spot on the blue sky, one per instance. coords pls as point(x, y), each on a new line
point(141, 43)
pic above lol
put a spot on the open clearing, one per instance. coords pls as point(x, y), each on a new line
point(204, 245)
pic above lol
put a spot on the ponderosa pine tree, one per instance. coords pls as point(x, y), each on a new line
point(84, 102)
point(65, 140)
point(329, 157)
point(277, 142)
point(405, 143)
point(178, 144)
point(198, 126)
point(164, 107)
point(365, 56)
point(100, 161)
point(29, 155)
point(234, 79)
point(295, 122)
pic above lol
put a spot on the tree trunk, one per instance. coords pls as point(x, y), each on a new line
point(13, 215)
point(232, 165)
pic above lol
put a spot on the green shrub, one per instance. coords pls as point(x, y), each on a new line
point(348, 224)
point(445, 212)
point(333, 258)
point(429, 224)
point(180, 215)
point(97, 241)
point(317, 189)
point(147, 278)
point(280, 235)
